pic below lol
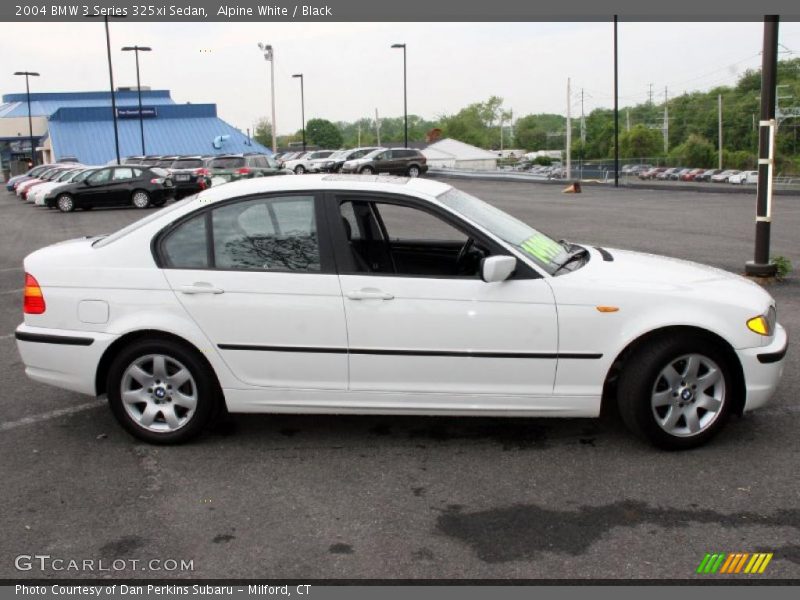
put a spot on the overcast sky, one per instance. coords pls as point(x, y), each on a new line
point(350, 69)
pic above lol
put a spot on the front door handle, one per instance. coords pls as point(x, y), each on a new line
point(369, 294)
point(199, 287)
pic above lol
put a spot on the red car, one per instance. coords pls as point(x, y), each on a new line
point(692, 174)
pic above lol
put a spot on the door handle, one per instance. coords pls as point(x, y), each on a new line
point(369, 294)
point(199, 287)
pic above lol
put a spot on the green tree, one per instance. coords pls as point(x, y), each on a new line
point(477, 124)
point(324, 134)
point(263, 132)
point(640, 142)
point(696, 151)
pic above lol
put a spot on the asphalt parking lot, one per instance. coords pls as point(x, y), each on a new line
point(387, 497)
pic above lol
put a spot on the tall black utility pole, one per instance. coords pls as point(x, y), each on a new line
point(405, 94)
point(113, 98)
point(761, 266)
point(137, 49)
point(28, 74)
point(302, 108)
point(616, 108)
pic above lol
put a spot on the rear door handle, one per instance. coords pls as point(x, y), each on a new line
point(199, 287)
point(369, 294)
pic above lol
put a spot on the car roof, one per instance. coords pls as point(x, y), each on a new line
point(374, 183)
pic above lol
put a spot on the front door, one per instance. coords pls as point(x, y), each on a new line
point(419, 317)
point(255, 275)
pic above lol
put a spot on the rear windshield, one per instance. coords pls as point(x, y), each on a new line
point(227, 162)
point(193, 163)
point(160, 172)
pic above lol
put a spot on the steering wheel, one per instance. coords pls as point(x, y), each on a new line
point(463, 253)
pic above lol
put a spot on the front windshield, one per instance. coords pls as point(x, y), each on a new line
point(338, 154)
point(374, 153)
point(82, 175)
point(545, 251)
point(66, 176)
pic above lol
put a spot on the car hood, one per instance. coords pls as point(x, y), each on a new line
point(650, 273)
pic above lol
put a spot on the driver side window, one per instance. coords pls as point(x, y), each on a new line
point(101, 176)
point(396, 239)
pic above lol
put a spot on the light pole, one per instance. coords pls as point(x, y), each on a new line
point(28, 74)
point(111, 83)
point(138, 49)
point(405, 94)
point(269, 54)
point(302, 108)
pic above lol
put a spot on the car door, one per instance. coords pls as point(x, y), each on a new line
point(120, 189)
point(95, 188)
point(417, 322)
point(259, 281)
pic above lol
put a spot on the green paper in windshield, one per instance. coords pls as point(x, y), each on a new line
point(542, 247)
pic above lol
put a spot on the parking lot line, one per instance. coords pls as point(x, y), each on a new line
point(53, 414)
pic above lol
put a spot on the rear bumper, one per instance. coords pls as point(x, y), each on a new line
point(65, 359)
point(763, 369)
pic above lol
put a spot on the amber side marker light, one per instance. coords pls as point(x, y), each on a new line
point(32, 297)
point(607, 309)
point(759, 325)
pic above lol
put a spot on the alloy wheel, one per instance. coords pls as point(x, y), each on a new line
point(159, 393)
point(688, 395)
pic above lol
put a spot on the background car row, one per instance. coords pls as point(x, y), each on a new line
point(69, 186)
point(687, 174)
point(366, 161)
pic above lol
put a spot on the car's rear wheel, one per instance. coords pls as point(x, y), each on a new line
point(65, 203)
point(162, 392)
point(367, 171)
point(140, 199)
point(413, 171)
point(299, 170)
point(677, 391)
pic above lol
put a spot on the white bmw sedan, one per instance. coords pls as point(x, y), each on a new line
point(363, 294)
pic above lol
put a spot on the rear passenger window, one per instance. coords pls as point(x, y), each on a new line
point(185, 246)
point(267, 234)
point(122, 174)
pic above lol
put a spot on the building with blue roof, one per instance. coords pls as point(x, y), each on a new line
point(80, 125)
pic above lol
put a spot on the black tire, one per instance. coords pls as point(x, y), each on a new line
point(640, 379)
point(366, 171)
point(140, 198)
point(65, 203)
point(413, 171)
point(208, 394)
point(299, 170)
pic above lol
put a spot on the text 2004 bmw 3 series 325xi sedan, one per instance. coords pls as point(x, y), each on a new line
point(364, 294)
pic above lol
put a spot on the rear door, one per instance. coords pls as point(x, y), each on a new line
point(96, 189)
point(257, 276)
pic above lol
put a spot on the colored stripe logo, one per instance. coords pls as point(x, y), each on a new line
point(734, 563)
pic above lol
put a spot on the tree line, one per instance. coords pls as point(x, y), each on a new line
point(692, 133)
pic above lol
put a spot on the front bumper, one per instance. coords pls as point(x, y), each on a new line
point(65, 359)
point(763, 368)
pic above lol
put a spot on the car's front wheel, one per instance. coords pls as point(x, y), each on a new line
point(677, 391)
point(65, 203)
point(299, 170)
point(366, 171)
point(162, 392)
point(413, 171)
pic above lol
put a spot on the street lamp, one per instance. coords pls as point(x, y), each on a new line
point(302, 108)
point(28, 74)
point(269, 54)
point(405, 93)
point(111, 82)
point(138, 49)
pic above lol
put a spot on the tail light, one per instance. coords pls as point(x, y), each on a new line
point(32, 297)
point(243, 171)
point(202, 171)
point(157, 180)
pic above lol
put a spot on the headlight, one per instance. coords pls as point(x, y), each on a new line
point(763, 324)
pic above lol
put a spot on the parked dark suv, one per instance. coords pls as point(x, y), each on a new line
point(397, 161)
point(138, 185)
point(232, 167)
point(190, 174)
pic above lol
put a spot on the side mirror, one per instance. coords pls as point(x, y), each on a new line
point(497, 268)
